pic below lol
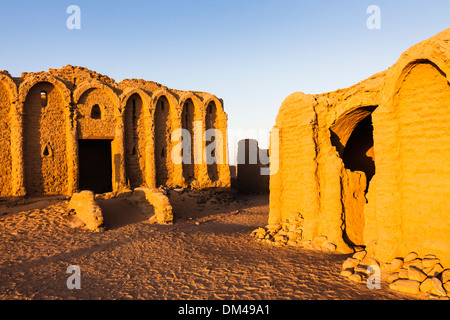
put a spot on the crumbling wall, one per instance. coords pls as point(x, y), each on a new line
point(87, 210)
point(325, 175)
point(154, 205)
point(40, 143)
point(409, 199)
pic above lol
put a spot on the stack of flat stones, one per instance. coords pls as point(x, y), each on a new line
point(413, 275)
point(357, 268)
point(289, 233)
point(410, 274)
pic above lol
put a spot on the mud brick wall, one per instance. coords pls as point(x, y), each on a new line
point(366, 166)
point(44, 117)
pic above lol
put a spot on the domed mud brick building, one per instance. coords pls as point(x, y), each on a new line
point(370, 165)
point(73, 129)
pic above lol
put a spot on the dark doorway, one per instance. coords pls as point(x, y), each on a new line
point(95, 165)
point(358, 153)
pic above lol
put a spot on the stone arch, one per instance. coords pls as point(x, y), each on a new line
point(211, 153)
point(189, 114)
point(31, 81)
point(96, 94)
point(393, 174)
point(44, 126)
point(215, 148)
point(164, 113)
point(144, 95)
point(107, 131)
point(423, 137)
point(79, 92)
point(146, 117)
point(135, 139)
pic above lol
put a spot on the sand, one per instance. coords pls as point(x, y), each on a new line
point(206, 254)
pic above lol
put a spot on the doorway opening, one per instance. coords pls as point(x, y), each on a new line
point(358, 153)
point(95, 165)
point(352, 136)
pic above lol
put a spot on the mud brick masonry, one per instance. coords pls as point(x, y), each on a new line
point(369, 166)
point(73, 129)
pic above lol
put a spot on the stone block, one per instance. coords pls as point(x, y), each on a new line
point(396, 265)
point(153, 204)
point(87, 209)
point(350, 263)
point(407, 286)
point(416, 274)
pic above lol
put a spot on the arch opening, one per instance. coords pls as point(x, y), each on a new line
point(162, 141)
point(211, 160)
point(44, 147)
point(358, 154)
point(135, 138)
point(187, 123)
point(352, 136)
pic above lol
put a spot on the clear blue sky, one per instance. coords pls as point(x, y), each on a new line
point(251, 53)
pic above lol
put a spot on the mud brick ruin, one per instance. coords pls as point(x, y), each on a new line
point(251, 161)
point(73, 129)
point(368, 166)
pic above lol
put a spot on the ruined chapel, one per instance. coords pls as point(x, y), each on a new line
point(73, 129)
point(368, 166)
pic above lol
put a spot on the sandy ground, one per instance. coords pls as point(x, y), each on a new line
point(206, 254)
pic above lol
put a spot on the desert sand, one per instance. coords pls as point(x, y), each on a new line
point(207, 253)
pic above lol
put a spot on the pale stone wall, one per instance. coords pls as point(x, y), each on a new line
point(39, 140)
point(366, 166)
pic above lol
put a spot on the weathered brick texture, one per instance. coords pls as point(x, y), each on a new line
point(368, 165)
point(44, 115)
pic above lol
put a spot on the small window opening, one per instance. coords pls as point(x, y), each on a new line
point(44, 99)
point(210, 109)
point(133, 152)
point(162, 105)
point(162, 153)
point(96, 113)
point(47, 152)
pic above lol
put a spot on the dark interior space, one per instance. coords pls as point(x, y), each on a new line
point(95, 165)
point(358, 152)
